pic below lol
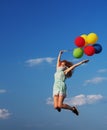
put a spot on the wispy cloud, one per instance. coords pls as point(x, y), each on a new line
point(84, 99)
point(4, 113)
point(102, 71)
point(95, 80)
point(79, 100)
point(2, 91)
point(33, 62)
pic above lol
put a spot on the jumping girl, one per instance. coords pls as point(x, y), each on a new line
point(64, 70)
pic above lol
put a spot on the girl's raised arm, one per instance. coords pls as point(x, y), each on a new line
point(59, 59)
point(75, 65)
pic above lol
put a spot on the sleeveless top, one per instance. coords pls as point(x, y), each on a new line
point(59, 75)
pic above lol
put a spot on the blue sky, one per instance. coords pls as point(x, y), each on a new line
point(31, 34)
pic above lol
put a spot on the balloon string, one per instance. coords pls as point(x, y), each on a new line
point(67, 50)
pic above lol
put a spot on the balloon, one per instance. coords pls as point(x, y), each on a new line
point(79, 41)
point(89, 50)
point(92, 38)
point(85, 38)
point(78, 52)
point(98, 48)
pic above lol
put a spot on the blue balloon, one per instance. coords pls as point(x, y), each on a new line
point(98, 48)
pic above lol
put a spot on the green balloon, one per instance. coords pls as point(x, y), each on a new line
point(78, 52)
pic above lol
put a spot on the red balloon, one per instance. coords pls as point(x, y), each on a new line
point(89, 50)
point(79, 41)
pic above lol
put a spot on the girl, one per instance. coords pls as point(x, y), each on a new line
point(64, 70)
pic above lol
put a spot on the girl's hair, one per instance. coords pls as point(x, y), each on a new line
point(68, 64)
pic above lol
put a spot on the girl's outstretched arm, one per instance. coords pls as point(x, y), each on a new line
point(59, 58)
point(75, 65)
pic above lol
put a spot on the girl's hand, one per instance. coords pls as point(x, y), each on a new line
point(85, 61)
point(61, 51)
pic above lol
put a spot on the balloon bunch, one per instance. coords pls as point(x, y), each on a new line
point(86, 44)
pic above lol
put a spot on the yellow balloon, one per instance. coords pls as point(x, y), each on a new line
point(85, 38)
point(92, 38)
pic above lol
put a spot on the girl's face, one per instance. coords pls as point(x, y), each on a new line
point(63, 64)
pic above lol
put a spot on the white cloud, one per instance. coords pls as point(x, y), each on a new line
point(49, 101)
point(84, 99)
point(4, 114)
point(33, 62)
point(102, 71)
point(93, 98)
point(95, 80)
point(79, 100)
point(2, 91)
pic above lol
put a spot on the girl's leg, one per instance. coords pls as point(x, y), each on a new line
point(56, 97)
point(66, 106)
point(62, 105)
